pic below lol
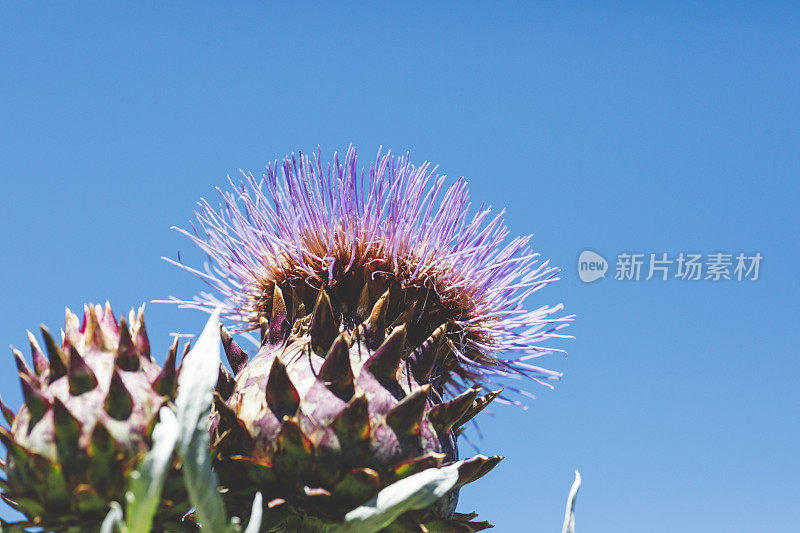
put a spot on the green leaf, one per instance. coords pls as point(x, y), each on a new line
point(113, 521)
point(17, 527)
point(196, 382)
point(569, 515)
point(254, 525)
point(414, 492)
point(144, 489)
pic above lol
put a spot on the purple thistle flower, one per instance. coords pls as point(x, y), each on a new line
point(305, 226)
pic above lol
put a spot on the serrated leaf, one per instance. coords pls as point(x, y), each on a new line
point(414, 492)
point(196, 382)
point(569, 514)
point(145, 485)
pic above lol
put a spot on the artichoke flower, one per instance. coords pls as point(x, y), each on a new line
point(379, 307)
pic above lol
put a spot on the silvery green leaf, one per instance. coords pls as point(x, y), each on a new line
point(569, 515)
point(254, 525)
point(196, 382)
point(414, 492)
point(144, 490)
point(113, 521)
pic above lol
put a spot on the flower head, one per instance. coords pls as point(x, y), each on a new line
point(395, 226)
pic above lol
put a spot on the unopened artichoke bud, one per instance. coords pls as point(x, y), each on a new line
point(90, 404)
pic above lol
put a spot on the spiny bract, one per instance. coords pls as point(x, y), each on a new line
point(325, 415)
point(89, 407)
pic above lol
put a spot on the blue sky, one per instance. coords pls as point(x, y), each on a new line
point(615, 127)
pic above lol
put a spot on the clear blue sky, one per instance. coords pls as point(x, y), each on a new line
point(616, 128)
